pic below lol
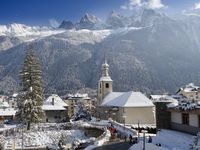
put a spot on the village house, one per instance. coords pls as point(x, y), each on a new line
point(12, 101)
point(56, 110)
point(73, 99)
point(190, 91)
point(179, 112)
point(185, 115)
point(163, 116)
point(124, 107)
point(6, 112)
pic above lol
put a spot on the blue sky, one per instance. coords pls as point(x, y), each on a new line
point(39, 12)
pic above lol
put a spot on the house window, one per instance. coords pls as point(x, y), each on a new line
point(107, 85)
point(185, 119)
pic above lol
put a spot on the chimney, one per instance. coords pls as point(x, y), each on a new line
point(52, 101)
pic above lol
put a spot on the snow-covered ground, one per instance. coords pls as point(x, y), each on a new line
point(43, 138)
point(169, 140)
point(49, 134)
point(7, 127)
point(101, 141)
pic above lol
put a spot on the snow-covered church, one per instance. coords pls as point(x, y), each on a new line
point(124, 107)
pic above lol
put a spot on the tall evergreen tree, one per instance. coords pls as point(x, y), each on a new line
point(30, 98)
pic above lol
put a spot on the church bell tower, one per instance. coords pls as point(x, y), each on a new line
point(105, 84)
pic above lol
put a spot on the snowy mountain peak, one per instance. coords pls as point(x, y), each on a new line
point(115, 20)
point(87, 18)
point(66, 24)
point(88, 22)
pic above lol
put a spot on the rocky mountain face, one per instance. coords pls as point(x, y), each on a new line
point(66, 25)
point(147, 51)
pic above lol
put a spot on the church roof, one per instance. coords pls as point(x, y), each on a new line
point(106, 78)
point(127, 99)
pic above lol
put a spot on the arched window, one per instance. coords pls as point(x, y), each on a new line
point(107, 85)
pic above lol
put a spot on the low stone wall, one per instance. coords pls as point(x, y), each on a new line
point(124, 129)
point(185, 128)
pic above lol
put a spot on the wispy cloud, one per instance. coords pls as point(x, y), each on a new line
point(155, 4)
point(152, 4)
point(197, 5)
point(53, 23)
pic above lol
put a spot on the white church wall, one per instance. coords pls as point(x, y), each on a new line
point(142, 115)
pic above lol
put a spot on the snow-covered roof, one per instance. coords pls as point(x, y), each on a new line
point(184, 104)
point(7, 112)
point(164, 98)
point(15, 95)
point(4, 105)
point(190, 88)
point(127, 99)
point(106, 78)
point(78, 96)
point(53, 107)
point(54, 102)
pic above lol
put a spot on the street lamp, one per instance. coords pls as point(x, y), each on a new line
point(106, 114)
point(144, 131)
point(124, 116)
point(22, 127)
point(138, 130)
point(113, 116)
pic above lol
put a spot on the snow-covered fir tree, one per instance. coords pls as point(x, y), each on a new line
point(30, 98)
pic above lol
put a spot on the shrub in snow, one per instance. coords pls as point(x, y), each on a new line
point(1, 142)
point(81, 113)
point(196, 142)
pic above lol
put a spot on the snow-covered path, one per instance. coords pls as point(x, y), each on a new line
point(169, 140)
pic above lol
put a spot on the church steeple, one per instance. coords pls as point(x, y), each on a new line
point(105, 83)
point(105, 69)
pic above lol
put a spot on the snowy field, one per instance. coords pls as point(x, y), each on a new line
point(43, 138)
point(45, 134)
point(169, 140)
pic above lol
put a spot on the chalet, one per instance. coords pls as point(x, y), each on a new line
point(6, 113)
point(190, 91)
point(181, 111)
point(55, 109)
point(185, 116)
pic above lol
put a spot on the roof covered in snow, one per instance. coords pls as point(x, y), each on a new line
point(54, 102)
point(190, 88)
point(78, 96)
point(127, 99)
point(7, 112)
point(184, 105)
point(165, 98)
point(105, 78)
point(4, 105)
